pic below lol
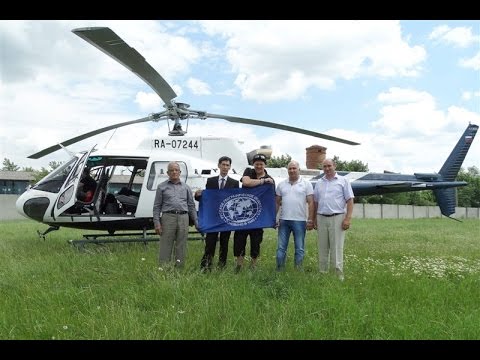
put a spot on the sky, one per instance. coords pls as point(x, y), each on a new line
point(405, 90)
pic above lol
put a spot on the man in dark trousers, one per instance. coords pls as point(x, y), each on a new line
point(217, 182)
point(257, 176)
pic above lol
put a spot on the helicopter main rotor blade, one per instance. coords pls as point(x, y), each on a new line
point(92, 133)
point(104, 39)
point(281, 127)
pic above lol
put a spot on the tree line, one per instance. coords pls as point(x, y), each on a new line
point(467, 196)
point(37, 174)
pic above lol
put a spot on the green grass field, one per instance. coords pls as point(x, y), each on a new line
point(404, 279)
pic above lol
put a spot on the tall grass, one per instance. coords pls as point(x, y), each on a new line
point(404, 279)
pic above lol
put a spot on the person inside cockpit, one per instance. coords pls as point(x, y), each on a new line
point(86, 187)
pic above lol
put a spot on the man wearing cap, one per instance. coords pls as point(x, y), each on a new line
point(222, 181)
point(251, 177)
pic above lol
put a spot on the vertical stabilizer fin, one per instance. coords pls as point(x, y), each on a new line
point(451, 167)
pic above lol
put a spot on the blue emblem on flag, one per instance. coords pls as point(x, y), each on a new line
point(237, 209)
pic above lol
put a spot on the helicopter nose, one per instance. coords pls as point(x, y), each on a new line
point(33, 208)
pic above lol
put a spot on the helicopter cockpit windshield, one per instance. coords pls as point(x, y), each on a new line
point(54, 181)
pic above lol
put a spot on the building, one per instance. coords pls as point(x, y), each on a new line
point(14, 182)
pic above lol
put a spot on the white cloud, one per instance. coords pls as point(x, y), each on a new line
point(407, 111)
point(467, 95)
point(459, 36)
point(473, 63)
point(149, 101)
point(198, 87)
point(55, 86)
point(280, 60)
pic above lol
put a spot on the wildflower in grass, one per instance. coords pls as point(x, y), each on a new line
point(143, 259)
point(180, 312)
point(65, 327)
point(433, 267)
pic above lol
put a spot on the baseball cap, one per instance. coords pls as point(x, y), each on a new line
point(260, 157)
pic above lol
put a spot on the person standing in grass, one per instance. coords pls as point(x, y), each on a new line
point(251, 177)
point(172, 208)
point(333, 199)
point(292, 197)
point(221, 181)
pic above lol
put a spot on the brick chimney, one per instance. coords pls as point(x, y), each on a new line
point(315, 156)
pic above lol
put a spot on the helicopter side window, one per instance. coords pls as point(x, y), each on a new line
point(158, 173)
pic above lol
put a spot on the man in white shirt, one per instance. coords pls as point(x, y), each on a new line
point(333, 198)
point(292, 197)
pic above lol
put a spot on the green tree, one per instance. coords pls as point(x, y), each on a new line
point(54, 164)
point(469, 196)
point(28, 169)
point(40, 174)
point(353, 165)
point(357, 165)
point(421, 198)
point(9, 165)
point(279, 161)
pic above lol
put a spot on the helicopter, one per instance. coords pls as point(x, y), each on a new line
point(442, 184)
point(54, 200)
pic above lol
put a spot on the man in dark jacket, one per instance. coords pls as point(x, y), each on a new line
point(217, 182)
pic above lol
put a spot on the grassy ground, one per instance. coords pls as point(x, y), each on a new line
point(404, 279)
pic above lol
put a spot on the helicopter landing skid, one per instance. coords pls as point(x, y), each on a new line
point(144, 237)
point(41, 235)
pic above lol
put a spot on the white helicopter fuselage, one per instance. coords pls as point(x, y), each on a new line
point(53, 200)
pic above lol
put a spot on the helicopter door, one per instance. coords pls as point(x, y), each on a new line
point(68, 193)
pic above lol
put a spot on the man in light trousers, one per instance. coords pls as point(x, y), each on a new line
point(333, 199)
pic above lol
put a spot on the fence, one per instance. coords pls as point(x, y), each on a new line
point(365, 211)
point(389, 211)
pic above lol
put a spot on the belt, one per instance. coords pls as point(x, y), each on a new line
point(178, 212)
point(329, 215)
